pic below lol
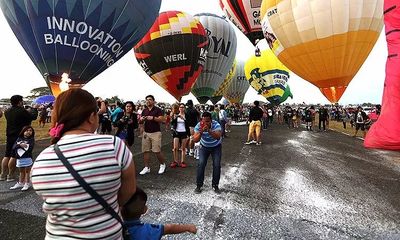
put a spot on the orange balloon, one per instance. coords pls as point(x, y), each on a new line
point(324, 42)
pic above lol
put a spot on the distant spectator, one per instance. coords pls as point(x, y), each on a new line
point(359, 119)
point(152, 116)
point(22, 149)
point(17, 117)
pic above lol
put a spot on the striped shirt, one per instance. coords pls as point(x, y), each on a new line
point(71, 212)
point(206, 139)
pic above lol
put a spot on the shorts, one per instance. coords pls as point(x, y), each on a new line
point(151, 142)
point(9, 146)
point(24, 162)
point(360, 125)
point(180, 135)
point(255, 126)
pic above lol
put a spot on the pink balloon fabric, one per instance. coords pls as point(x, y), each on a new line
point(385, 133)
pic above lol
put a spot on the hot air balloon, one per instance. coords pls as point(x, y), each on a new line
point(217, 96)
point(267, 75)
point(385, 133)
point(78, 38)
point(239, 85)
point(220, 55)
point(324, 42)
point(173, 52)
point(245, 14)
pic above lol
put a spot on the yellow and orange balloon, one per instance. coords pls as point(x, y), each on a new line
point(323, 41)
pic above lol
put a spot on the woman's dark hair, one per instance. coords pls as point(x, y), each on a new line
point(131, 103)
point(21, 134)
point(134, 208)
point(72, 108)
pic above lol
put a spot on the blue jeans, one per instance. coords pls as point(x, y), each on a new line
point(215, 153)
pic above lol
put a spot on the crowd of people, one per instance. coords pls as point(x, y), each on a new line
point(87, 175)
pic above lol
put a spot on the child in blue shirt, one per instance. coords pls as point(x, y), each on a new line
point(135, 208)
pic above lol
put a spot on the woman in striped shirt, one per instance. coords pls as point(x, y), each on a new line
point(103, 161)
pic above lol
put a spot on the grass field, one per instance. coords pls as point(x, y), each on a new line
point(40, 133)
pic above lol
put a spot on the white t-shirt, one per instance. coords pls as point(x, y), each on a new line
point(360, 118)
point(180, 127)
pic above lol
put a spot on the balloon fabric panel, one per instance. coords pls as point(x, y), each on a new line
point(79, 37)
point(227, 81)
point(323, 41)
point(244, 14)
point(239, 86)
point(221, 52)
point(385, 133)
point(267, 75)
point(173, 52)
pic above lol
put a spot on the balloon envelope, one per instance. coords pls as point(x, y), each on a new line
point(239, 85)
point(245, 15)
point(385, 133)
point(224, 85)
point(78, 37)
point(173, 52)
point(267, 75)
point(323, 41)
point(45, 99)
point(221, 52)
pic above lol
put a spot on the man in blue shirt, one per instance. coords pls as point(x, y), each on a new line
point(208, 132)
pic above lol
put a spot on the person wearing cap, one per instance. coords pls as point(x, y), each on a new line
point(17, 117)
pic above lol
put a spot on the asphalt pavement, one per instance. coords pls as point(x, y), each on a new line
point(296, 185)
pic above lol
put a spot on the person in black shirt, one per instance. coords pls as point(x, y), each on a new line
point(323, 117)
point(255, 116)
point(192, 118)
point(17, 117)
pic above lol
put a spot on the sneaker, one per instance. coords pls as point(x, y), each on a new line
point(173, 164)
point(183, 165)
point(247, 143)
point(197, 190)
point(216, 189)
point(17, 185)
point(162, 169)
point(253, 142)
point(145, 171)
point(258, 144)
point(26, 187)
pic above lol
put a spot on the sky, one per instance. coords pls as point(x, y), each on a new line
point(128, 81)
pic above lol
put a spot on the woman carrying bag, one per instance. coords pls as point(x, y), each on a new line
point(83, 178)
